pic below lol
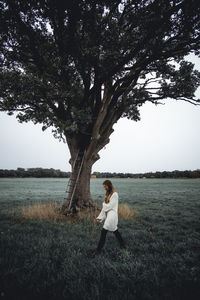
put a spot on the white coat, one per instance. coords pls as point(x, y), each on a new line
point(109, 213)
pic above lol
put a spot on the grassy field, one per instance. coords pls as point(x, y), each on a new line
point(51, 259)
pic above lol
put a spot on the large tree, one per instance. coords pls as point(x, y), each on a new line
point(81, 65)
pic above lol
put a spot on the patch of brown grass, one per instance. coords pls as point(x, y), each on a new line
point(88, 216)
point(50, 211)
point(42, 211)
point(126, 212)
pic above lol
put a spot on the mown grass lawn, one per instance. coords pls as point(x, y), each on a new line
point(51, 259)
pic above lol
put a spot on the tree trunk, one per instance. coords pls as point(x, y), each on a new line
point(79, 196)
point(84, 150)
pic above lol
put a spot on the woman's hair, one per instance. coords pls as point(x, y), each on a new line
point(109, 191)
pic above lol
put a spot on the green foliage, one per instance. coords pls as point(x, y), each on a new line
point(51, 260)
point(164, 174)
point(40, 172)
point(58, 56)
point(184, 82)
point(34, 172)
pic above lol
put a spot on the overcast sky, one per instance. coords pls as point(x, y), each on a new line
point(166, 138)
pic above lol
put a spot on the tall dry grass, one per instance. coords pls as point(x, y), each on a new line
point(126, 212)
point(42, 211)
point(49, 211)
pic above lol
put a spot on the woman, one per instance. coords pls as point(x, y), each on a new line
point(109, 213)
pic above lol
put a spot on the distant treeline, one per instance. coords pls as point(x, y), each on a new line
point(34, 172)
point(40, 172)
point(164, 174)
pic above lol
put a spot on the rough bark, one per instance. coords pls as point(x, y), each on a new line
point(87, 148)
point(79, 188)
point(79, 196)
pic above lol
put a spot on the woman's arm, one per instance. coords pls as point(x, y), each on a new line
point(111, 204)
point(101, 216)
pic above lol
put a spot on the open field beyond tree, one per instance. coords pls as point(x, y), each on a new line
point(50, 258)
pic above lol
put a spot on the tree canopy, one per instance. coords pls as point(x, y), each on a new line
point(57, 56)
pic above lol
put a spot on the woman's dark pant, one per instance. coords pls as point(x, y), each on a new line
point(103, 238)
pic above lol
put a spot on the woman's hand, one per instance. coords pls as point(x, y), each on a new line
point(98, 220)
